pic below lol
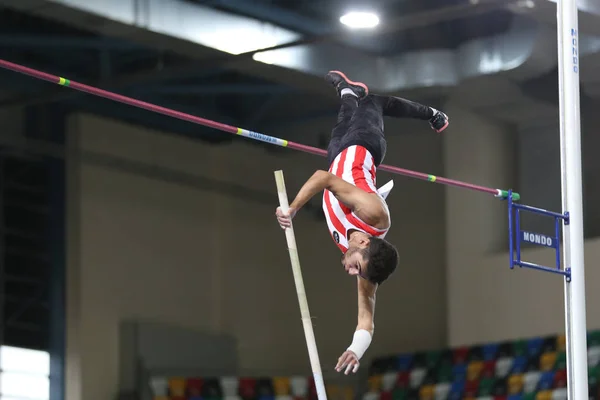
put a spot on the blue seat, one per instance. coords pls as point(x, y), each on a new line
point(534, 346)
point(404, 362)
point(545, 382)
point(459, 372)
point(514, 397)
point(519, 365)
point(457, 390)
point(489, 351)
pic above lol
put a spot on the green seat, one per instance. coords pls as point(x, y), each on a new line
point(432, 358)
point(593, 338)
point(528, 396)
point(399, 394)
point(561, 361)
point(593, 375)
point(444, 373)
point(519, 348)
point(486, 386)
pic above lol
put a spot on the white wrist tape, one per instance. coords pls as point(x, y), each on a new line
point(360, 343)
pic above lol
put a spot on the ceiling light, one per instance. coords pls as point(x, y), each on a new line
point(360, 20)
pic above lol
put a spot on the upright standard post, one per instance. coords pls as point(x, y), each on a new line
point(311, 343)
point(571, 182)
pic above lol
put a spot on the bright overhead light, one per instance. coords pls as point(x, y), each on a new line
point(360, 20)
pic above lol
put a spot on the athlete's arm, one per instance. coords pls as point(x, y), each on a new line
point(349, 361)
point(367, 206)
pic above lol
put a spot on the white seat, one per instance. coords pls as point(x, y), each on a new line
point(593, 356)
point(232, 397)
point(560, 394)
point(416, 377)
point(441, 391)
point(299, 386)
point(284, 397)
point(503, 366)
point(530, 381)
point(388, 381)
point(371, 396)
point(159, 385)
point(229, 385)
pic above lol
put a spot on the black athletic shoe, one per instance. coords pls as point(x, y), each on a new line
point(439, 121)
point(340, 81)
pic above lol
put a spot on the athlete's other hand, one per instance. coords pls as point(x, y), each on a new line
point(285, 219)
point(347, 362)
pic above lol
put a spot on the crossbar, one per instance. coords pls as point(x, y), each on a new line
point(499, 193)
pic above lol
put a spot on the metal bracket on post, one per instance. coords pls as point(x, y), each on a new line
point(516, 235)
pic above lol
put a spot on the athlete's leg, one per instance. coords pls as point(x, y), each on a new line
point(398, 107)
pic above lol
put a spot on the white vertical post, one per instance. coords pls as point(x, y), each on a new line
point(571, 182)
point(309, 334)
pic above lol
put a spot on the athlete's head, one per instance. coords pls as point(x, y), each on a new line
point(372, 258)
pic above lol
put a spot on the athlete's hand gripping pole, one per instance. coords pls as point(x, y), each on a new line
point(304, 311)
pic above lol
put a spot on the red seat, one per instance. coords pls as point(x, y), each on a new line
point(489, 369)
point(560, 379)
point(500, 398)
point(247, 388)
point(471, 388)
point(459, 355)
point(194, 387)
point(403, 379)
point(385, 396)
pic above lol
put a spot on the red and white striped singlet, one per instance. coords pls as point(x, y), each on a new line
point(356, 166)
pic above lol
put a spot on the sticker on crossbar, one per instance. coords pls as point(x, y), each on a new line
point(539, 239)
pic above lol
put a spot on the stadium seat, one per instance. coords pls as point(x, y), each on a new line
point(441, 391)
point(549, 345)
point(534, 347)
point(404, 362)
point(370, 396)
point(471, 388)
point(544, 395)
point(500, 388)
point(347, 393)
point(474, 370)
point(519, 348)
point(519, 364)
point(444, 374)
point(485, 398)
point(530, 381)
point(546, 381)
point(247, 388)
point(160, 386)
point(561, 343)
point(459, 372)
point(475, 354)
point(384, 395)
point(593, 338)
point(560, 394)
point(403, 379)
point(416, 377)
point(547, 361)
point(211, 389)
point(593, 356)
point(432, 358)
point(426, 392)
point(505, 349)
point(456, 390)
point(528, 396)
point(388, 381)
point(514, 397)
point(161, 398)
point(593, 375)
point(229, 385)
point(374, 382)
point(399, 393)
point(264, 389)
point(281, 386)
point(459, 355)
point(561, 360)
point(489, 368)
point(486, 387)
point(503, 366)
point(515, 384)
point(560, 378)
point(489, 351)
point(177, 387)
point(228, 397)
point(299, 386)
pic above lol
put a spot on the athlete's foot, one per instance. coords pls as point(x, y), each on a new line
point(344, 86)
point(439, 121)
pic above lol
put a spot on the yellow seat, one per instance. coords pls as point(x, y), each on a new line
point(515, 384)
point(561, 343)
point(333, 392)
point(426, 392)
point(544, 395)
point(474, 370)
point(375, 383)
point(547, 361)
point(177, 387)
point(281, 386)
point(161, 398)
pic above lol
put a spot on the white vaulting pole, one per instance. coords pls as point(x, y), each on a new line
point(572, 198)
point(311, 343)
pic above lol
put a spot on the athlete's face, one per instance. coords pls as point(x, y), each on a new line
point(354, 263)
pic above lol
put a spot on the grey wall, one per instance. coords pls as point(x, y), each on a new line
point(168, 230)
